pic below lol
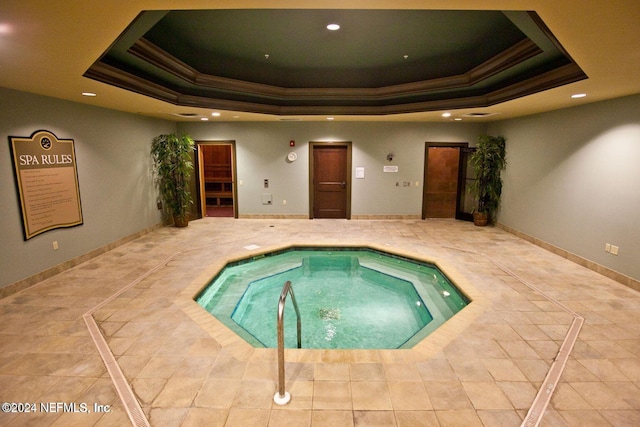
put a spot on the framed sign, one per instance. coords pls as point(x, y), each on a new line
point(47, 182)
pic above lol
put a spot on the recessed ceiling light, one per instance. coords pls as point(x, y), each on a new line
point(204, 119)
point(578, 95)
point(333, 27)
point(88, 94)
point(457, 119)
point(5, 28)
point(215, 114)
point(446, 114)
point(329, 118)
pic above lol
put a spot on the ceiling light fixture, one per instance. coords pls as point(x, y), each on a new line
point(333, 27)
point(5, 28)
point(204, 119)
point(329, 118)
point(88, 94)
point(578, 95)
point(446, 114)
point(215, 114)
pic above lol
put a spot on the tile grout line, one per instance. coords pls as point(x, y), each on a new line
point(548, 386)
point(126, 395)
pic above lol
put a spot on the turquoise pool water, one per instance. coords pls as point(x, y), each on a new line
point(348, 298)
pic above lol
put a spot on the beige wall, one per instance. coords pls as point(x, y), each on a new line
point(262, 149)
point(116, 187)
point(573, 180)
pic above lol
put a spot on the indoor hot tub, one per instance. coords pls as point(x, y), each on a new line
point(348, 298)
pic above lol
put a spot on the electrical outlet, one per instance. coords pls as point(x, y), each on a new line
point(607, 247)
point(284, 202)
point(614, 250)
point(55, 245)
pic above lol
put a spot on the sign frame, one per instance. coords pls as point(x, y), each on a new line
point(46, 178)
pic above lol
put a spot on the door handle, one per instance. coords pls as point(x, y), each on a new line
point(344, 184)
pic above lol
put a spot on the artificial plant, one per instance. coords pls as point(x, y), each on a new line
point(488, 160)
point(172, 157)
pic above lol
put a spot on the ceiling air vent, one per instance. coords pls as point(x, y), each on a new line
point(186, 115)
point(478, 114)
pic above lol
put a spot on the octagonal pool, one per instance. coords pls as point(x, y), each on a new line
point(350, 298)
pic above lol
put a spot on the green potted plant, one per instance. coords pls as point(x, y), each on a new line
point(172, 167)
point(488, 160)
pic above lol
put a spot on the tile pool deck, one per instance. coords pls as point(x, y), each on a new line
point(482, 368)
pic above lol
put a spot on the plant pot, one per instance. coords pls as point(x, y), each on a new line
point(180, 221)
point(480, 219)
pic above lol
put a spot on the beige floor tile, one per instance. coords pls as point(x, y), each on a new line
point(401, 371)
point(247, 417)
point(290, 418)
point(496, 418)
point(447, 395)
point(457, 418)
point(370, 396)
point(630, 367)
point(584, 418)
point(432, 370)
point(622, 418)
point(367, 372)
point(254, 394)
point(416, 419)
point(600, 395)
point(178, 392)
point(566, 398)
point(301, 393)
point(217, 393)
point(504, 370)
point(328, 418)
point(604, 370)
point(147, 389)
point(333, 395)
point(197, 417)
point(520, 394)
point(486, 395)
point(409, 396)
point(374, 418)
point(471, 370)
point(331, 372)
point(165, 344)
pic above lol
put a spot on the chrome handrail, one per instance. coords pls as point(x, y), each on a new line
point(282, 397)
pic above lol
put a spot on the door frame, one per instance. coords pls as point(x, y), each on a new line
point(312, 146)
point(199, 169)
point(426, 166)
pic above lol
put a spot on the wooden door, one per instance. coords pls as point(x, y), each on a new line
point(216, 171)
point(330, 180)
point(442, 181)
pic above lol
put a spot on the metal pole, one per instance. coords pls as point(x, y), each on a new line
point(282, 397)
